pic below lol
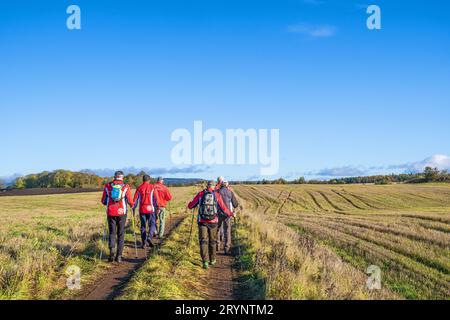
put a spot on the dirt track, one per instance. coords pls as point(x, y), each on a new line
point(220, 278)
point(109, 285)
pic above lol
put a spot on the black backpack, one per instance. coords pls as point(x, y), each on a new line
point(208, 206)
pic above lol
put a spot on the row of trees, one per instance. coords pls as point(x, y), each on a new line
point(59, 179)
point(70, 179)
point(428, 175)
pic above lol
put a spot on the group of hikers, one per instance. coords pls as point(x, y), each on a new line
point(216, 205)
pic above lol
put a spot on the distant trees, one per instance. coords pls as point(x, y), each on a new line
point(429, 175)
point(59, 179)
point(2, 184)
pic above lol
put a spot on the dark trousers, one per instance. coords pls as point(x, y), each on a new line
point(148, 221)
point(224, 230)
point(116, 227)
point(207, 235)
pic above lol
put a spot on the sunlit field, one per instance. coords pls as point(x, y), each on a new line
point(290, 242)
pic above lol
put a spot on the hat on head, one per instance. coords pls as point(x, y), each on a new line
point(118, 175)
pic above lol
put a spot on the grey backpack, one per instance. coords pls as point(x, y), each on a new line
point(208, 206)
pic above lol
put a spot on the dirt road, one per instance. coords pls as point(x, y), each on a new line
point(110, 284)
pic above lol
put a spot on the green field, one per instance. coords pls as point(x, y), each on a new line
point(292, 242)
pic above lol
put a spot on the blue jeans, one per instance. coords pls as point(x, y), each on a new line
point(148, 220)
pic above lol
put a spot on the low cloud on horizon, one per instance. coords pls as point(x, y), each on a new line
point(151, 171)
point(442, 162)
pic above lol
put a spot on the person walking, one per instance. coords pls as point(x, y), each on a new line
point(163, 196)
point(116, 197)
point(219, 183)
point(224, 225)
point(209, 202)
point(147, 198)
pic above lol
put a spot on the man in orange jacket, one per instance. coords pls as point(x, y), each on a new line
point(116, 196)
point(209, 202)
point(164, 196)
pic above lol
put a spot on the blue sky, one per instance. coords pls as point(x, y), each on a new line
point(344, 98)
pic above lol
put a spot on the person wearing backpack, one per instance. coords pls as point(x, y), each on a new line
point(147, 198)
point(224, 225)
point(209, 203)
point(116, 197)
point(164, 197)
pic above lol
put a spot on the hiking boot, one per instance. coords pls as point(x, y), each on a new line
point(119, 259)
point(111, 257)
point(142, 246)
point(150, 243)
point(213, 263)
point(205, 265)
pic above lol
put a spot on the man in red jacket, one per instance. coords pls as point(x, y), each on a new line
point(116, 196)
point(147, 198)
point(209, 202)
point(164, 197)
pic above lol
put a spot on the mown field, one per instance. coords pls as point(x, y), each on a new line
point(41, 235)
point(291, 242)
point(402, 229)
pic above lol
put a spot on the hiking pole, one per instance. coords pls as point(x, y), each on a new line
point(192, 224)
point(103, 240)
point(170, 216)
point(134, 232)
point(236, 235)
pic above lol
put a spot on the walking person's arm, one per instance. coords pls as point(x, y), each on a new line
point(128, 197)
point(136, 199)
point(195, 201)
point(222, 205)
point(105, 196)
point(155, 200)
point(168, 195)
point(234, 201)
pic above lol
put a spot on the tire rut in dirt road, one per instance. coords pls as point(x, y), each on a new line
point(110, 285)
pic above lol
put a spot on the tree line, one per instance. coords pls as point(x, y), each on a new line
point(87, 180)
point(70, 179)
point(428, 175)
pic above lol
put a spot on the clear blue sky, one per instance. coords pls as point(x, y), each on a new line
point(342, 96)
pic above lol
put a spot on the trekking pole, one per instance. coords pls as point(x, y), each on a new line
point(170, 215)
point(103, 240)
point(134, 232)
point(236, 235)
point(192, 224)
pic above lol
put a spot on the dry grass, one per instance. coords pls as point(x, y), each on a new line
point(41, 235)
point(403, 229)
point(297, 242)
